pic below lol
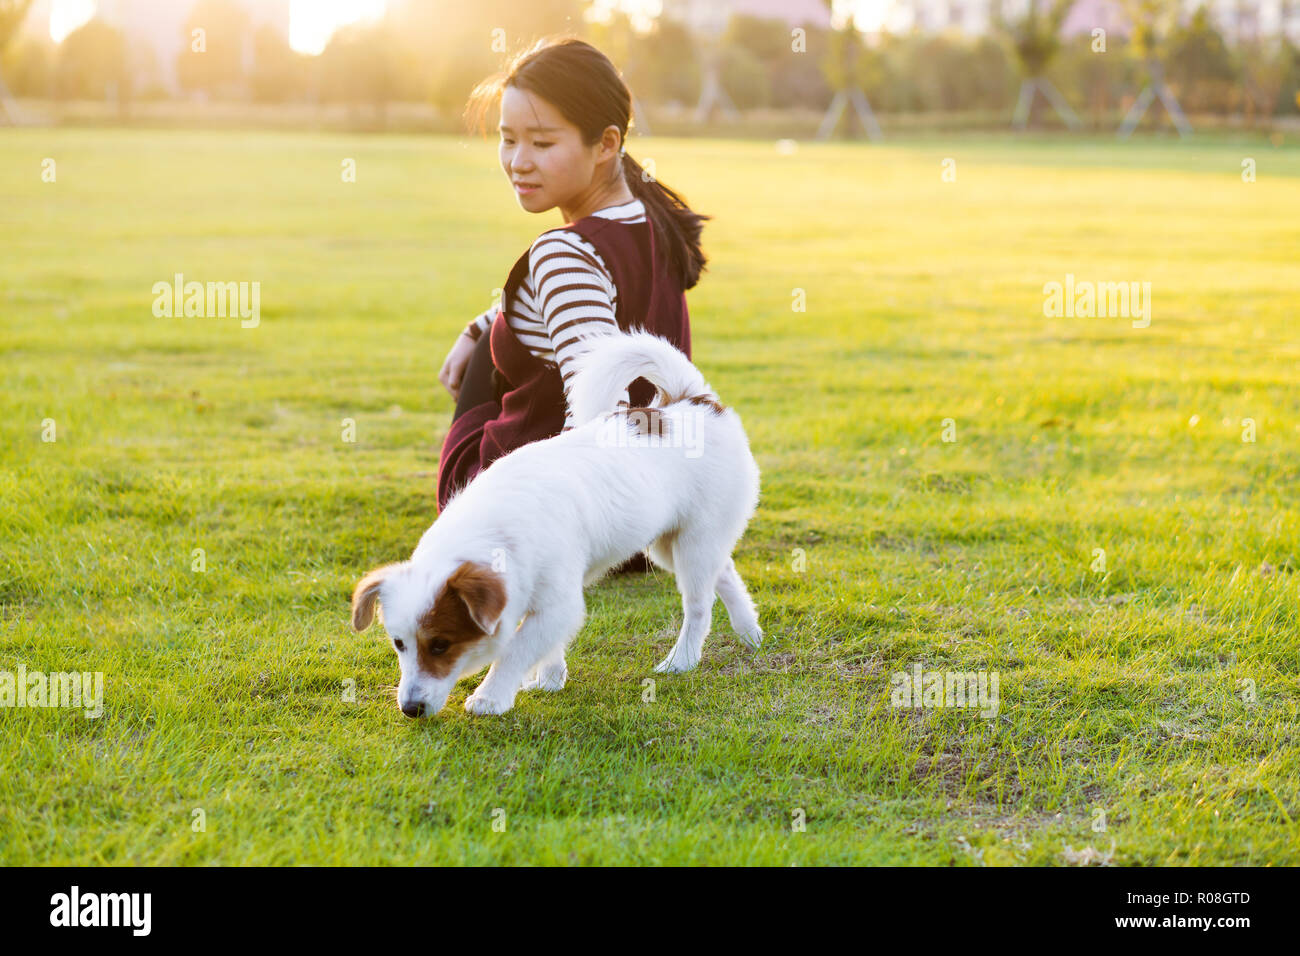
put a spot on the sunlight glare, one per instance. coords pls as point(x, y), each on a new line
point(313, 22)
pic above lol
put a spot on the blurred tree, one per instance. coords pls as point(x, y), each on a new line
point(1200, 65)
point(952, 74)
point(789, 77)
point(356, 68)
point(29, 65)
point(709, 31)
point(92, 64)
point(1289, 98)
point(12, 14)
point(848, 66)
point(798, 79)
point(665, 66)
point(1036, 39)
point(142, 70)
point(279, 73)
point(752, 47)
point(747, 77)
point(768, 40)
point(1153, 21)
point(924, 71)
point(898, 90)
point(941, 68)
point(1265, 60)
point(1101, 80)
point(617, 40)
point(456, 45)
point(217, 49)
point(1264, 72)
point(992, 75)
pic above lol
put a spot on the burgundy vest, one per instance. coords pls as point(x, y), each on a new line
point(530, 393)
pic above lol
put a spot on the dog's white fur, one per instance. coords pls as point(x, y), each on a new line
point(554, 516)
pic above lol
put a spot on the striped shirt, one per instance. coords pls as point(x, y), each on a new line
point(567, 298)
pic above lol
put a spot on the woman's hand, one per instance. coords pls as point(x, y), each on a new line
point(453, 369)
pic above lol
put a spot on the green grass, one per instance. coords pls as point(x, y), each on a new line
point(1121, 691)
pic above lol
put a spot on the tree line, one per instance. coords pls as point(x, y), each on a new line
point(415, 54)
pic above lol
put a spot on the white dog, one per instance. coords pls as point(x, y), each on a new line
point(524, 538)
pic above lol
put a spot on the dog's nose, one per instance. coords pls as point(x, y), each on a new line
point(413, 710)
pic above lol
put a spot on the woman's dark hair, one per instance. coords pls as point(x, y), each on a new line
point(584, 86)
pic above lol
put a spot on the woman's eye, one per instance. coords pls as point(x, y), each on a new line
point(400, 646)
point(437, 647)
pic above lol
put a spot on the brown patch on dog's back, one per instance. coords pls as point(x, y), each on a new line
point(648, 421)
point(705, 400)
point(449, 627)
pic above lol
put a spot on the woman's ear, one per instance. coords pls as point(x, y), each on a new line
point(366, 594)
point(612, 139)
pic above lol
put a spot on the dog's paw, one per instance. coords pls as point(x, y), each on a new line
point(547, 678)
point(484, 705)
point(751, 635)
point(675, 663)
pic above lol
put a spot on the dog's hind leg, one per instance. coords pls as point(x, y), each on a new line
point(740, 607)
point(661, 550)
point(696, 565)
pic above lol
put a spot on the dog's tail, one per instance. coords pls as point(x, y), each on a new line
point(615, 361)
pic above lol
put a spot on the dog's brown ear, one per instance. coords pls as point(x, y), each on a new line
point(483, 591)
point(366, 594)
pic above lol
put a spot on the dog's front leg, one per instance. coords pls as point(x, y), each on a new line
point(535, 643)
point(495, 695)
point(550, 673)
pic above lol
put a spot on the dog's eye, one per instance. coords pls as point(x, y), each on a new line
point(437, 647)
point(400, 646)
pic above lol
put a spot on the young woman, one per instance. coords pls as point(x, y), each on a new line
point(627, 252)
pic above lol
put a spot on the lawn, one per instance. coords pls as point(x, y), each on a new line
point(951, 478)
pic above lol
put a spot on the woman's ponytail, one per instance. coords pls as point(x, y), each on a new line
point(677, 227)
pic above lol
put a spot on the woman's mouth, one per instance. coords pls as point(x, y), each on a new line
point(525, 188)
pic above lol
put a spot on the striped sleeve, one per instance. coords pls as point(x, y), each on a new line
point(577, 300)
point(481, 324)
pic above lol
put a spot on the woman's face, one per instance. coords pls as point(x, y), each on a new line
point(541, 148)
